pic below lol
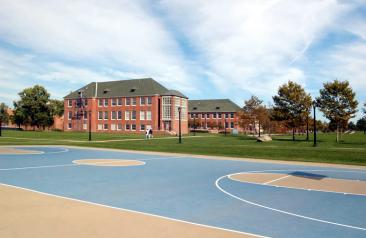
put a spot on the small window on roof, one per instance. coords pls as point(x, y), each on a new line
point(217, 108)
point(106, 90)
point(195, 108)
point(133, 89)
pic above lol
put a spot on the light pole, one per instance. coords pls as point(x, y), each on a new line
point(225, 124)
point(314, 109)
point(194, 124)
point(180, 126)
point(90, 133)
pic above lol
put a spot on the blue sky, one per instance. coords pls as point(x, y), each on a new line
point(206, 49)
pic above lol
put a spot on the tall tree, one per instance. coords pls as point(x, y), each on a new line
point(33, 107)
point(361, 125)
point(254, 111)
point(4, 116)
point(338, 104)
point(292, 105)
point(56, 107)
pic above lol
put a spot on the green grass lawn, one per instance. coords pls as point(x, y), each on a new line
point(351, 149)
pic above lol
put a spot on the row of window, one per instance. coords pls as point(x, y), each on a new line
point(227, 125)
point(115, 127)
point(114, 115)
point(128, 115)
point(211, 115)
point(124, 101)
point(113, 102)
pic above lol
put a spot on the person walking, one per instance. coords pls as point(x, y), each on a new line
point(151, 133)
point(147, 133)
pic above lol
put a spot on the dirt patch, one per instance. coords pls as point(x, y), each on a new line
point(109, 162)
point(16, 151)
point(304, 182)
point(30, 214)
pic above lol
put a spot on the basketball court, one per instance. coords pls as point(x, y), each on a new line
point(64, 191)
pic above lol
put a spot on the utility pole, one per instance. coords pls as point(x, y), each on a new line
point(180, 126)
point(314, 108)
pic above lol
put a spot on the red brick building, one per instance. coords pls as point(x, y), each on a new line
point(125, 106)
point(214, 114)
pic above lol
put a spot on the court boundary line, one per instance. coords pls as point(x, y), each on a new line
point(279, 210)
point(133, 211)
point(300, 188)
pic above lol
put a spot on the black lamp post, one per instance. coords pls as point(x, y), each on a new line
point(225, 124)
point(180, 124)
point(314, 109)
point(90, 133)
point(194, 124)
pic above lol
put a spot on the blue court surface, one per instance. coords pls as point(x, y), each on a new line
point(195, 190)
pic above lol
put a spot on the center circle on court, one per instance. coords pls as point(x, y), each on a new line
point(109, 162)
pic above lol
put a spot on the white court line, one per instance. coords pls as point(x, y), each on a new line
point(138, 212)
point(274, 180)
point(38, 167)
point(282, 211)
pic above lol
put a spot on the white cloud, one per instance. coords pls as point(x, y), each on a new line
point(116, 34)
point(253, 45)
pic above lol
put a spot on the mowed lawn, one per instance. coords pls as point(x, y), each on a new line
point(351, 149)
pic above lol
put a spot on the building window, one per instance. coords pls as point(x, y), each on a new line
point(127, 115)
point(85, 102)
point(100, 103)
point(100, 115)
point(119, 115)
point(69, 103)
point(219, 115)
point(232, 124)
point(105, 127)
point(100, 127)
point(128, 101)
point(207, 115)
point(85, 115)
point(142, 101)
point(119, 127)
point(142, 115)
point(69, 126)
point(148, 115)
point(113, 115)
point(85, 126)
point(149, 100)
point(69, 115)
point(142, 127)
point(167, 103)
point(119, 101)
point(114, 102)
point(133, 127)
point(128, 127)
point(105, 115)
point(106, 102)
point(226, 115)
point(113, 127)
point(226, 124)
point(133, 116)
point(133, 101)
point(231, 115)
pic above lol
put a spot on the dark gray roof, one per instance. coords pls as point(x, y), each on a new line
point(212, 105)
point(124, 88)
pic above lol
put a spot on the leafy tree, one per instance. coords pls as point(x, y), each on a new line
point(351, 125)
point(292, 105)
point(253, 112)
point(4, 116)
point(361, 125)
point(56, 107)
point(33, 107)
point(337, 102)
